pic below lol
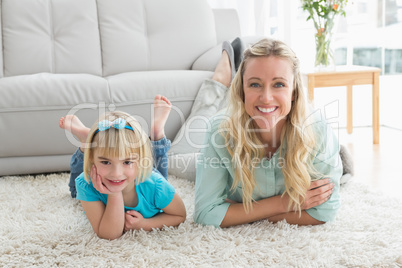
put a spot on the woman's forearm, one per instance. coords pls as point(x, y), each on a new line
point(273, 208)
point(295, 218)
point(111, 225)
point(262, 209)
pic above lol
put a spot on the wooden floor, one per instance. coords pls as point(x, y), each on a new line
point(379, 165)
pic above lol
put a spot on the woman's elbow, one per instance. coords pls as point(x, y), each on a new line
point(197, 217)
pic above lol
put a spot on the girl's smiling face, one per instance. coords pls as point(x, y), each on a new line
point(116, 174)
point(268, 91)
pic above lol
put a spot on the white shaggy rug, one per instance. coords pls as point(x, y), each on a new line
point(40, 225)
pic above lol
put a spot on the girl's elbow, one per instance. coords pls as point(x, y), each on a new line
point(182, 217)
point(182, 213)
point(109, 237)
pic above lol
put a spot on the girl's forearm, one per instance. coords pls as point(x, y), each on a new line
point(161, 220)
point(111, 225)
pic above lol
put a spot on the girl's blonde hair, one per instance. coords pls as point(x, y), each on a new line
point(245, 146)
point(121, 143)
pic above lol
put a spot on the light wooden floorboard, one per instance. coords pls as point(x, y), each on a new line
point(379, 165)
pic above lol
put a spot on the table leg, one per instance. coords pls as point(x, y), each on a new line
point(376, 108)
point(310, 88)
point(349, 109)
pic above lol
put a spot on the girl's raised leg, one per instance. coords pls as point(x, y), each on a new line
point(160, 144)
point(74, 125)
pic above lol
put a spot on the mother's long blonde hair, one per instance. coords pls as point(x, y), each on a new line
point(245, 146)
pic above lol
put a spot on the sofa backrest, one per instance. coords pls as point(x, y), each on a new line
point(154, 34)
point(55, 36)
point(104, 37)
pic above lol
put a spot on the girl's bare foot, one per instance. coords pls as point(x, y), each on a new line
point(162, 108)
point(74, 125)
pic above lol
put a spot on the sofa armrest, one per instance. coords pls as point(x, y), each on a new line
point(208, 60)
point(227, 24)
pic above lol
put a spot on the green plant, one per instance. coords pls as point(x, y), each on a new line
point(323, 13)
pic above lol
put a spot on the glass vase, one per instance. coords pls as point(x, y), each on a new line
point(324, 56)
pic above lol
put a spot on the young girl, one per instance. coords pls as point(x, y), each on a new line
point(118, 188)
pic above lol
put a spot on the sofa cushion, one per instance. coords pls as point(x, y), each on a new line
point(177, 36)
point(134, 92)
point(209, 59)
point(42, 100)
point(160, 36)
point(50, 36)
point(51, 91)
point(123, 36)
point(184, 165)
point(54, 95)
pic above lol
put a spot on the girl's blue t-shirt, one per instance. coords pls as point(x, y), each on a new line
point(154, 194)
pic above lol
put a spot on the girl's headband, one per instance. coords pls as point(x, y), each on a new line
point(119, 123)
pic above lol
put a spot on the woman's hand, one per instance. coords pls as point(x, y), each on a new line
point(134, 220)
point(97, 182)
point(320, 191)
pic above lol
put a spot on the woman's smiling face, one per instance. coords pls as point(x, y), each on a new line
point(268, 91)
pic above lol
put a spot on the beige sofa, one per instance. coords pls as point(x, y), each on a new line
point(85, 57)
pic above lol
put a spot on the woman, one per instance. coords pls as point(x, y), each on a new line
point(267, 156)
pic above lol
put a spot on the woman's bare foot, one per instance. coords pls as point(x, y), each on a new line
point(74, 125)
point(223, 70)
point(162, 108)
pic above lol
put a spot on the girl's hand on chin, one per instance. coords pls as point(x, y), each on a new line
point(97, 182)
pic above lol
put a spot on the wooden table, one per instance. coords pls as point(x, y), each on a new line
point(349, 76)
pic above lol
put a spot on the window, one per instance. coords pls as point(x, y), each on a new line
point(368, 35)
point(370, 30)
